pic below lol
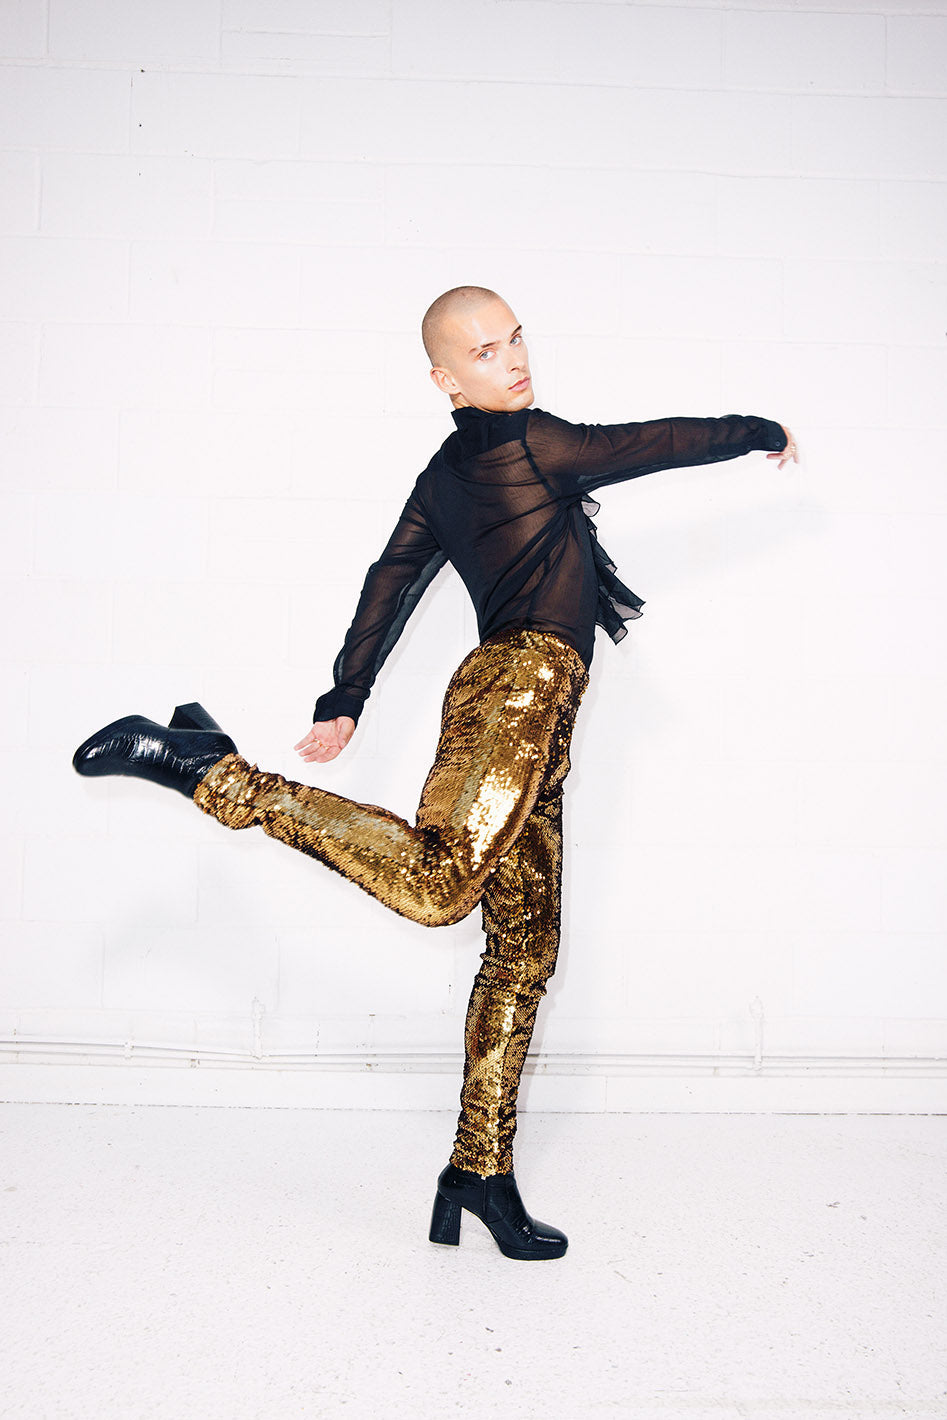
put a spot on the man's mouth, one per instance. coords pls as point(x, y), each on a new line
point(520, 384)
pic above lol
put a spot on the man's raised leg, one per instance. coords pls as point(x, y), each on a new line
point(503, 711)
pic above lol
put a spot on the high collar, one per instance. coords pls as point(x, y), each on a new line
point(482, 429)
point(470, 414)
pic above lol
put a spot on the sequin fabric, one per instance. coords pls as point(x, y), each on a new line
point(488, 827)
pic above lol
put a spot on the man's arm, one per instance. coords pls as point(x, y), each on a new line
point(393, 586)
point(610, 453)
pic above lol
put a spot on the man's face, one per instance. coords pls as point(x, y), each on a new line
point(486, 363)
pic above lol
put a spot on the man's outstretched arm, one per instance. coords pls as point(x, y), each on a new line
point(605, 454)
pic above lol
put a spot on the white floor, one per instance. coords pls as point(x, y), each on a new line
point(240, 1263)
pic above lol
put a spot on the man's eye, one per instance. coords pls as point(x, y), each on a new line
point(516, 340)
point(485, 355)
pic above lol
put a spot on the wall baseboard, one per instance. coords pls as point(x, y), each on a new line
point(37, 1072)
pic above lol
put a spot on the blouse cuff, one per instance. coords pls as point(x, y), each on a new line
point(774, 436)
point(335, 703)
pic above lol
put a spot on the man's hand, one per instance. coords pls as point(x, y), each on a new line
point(326, 740)
point(790, 454)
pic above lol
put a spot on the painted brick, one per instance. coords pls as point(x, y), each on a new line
point(286, 539)
point(165, 895)
point(112, 30)
point(736, 968)
point(402, 970)
point(898, 302)
point(19, 354)
point(239, 180)
point(215, 115)
point(479, 40)
point(64, 110)
point(58, 448)
point(917, 54)
point(666, 212)
point(206, 451)
point(34, 782)
point(679, 801)
point(152, 968)
point(813, 53)
point(57, 621)
point(862, 477)
point(826, 385)
point(17, 513)
point(313, 54)
point(14, 705)
point(234, 624)
point(19, 194)
point(342, 17)
point(866, 631)
point(283, 351)
point(214, 283)
point(914, 220)
point(110, 366)
point(41, 964)
point(870, 137)
point(908, 545)
point(121, 196)
point(726, 891)
point(23, 29)
point(381, 121)
point(709, 297)
point(871, 805)
point(62, 278)
point(124, 536)
point(602, 44)
point(798, 217)
point(618, 379)
point(915, 387)
point(908, 903)
point(319, 224)
point(899, 973)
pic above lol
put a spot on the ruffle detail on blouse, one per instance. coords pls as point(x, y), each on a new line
point(616, 602)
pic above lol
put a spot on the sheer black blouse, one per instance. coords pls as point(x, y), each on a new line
point(505, 500)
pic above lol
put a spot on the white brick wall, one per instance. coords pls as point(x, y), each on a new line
point(219, 226)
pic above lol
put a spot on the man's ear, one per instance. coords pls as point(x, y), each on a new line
point(445, 380)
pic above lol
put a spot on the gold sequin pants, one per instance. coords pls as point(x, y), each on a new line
point(488, 829)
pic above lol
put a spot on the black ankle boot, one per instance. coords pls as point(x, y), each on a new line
point(496, 1201)
point(177, 756)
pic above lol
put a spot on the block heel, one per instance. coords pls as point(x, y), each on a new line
point(192, 717)
point(445, 1221)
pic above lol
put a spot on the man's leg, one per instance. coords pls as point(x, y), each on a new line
point(504, 714)
point(521, 908)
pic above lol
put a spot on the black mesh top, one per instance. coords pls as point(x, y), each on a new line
point(505, 500)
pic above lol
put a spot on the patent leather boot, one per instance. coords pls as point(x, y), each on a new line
point(496, 1201)
point(177, 756)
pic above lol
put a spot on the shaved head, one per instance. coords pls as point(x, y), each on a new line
point(477, 352)
point(441, 318)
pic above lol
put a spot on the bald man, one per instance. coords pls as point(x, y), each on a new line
point(506, 500)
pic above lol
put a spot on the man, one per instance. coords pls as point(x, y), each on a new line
point(505, 500)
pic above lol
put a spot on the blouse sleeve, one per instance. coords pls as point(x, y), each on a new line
point(393, 587)
point(611, 453)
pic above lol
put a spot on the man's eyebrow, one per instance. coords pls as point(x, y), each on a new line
point(489, 344)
